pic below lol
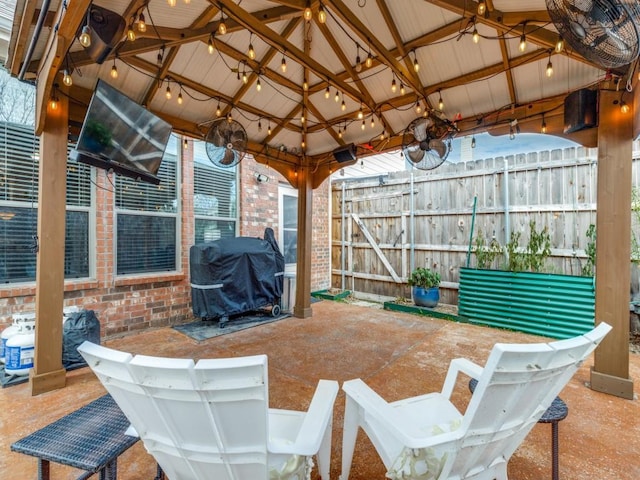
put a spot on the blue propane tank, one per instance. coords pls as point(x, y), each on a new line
point(6, 334)
point(19, 352)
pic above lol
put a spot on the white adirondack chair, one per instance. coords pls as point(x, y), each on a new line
point(427, 438)
point(211, 420)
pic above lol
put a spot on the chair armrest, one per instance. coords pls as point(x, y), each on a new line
point(375, 407)
point(456, 366)
point(316, 421)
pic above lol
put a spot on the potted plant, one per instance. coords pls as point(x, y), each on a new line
point(425, 283)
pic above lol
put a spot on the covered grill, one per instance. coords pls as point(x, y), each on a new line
point(235, 275)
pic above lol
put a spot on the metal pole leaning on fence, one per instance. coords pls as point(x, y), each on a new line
point(473, 222)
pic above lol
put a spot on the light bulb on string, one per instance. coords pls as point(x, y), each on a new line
point(85, 36)
point(393, 85)
point(339, 132)
point(363, 126)
point(549, 71)
point(172, 3)
point(283, 64)
point(416, 65)
point(482, 7)
point(369, 61)
point(251, 53)
point(337, 96)
point(245, 79)
point(168, 91)
point(142, 25)
point(624, 107)
point(543, 127)
point(418, 107)
point(440, 101)
point(358, 63)
point(327, 92)
point(210, 45)
point(373, 122)
point(259, 126)
point(180, 100)
point(185, 144)
point(343, 106)
point(222, 27)
point(269, 128)
point(402, 90)
point(559, 44)
point(473, 142)
point(131, 34)
point(66, 78)
point(360, 113)
point(218, 110)
point(305, 85)
point(322, 14)
point(258, 85)
point(114, 70)
point(475, 35)
point(307, 14)
point(523, 43)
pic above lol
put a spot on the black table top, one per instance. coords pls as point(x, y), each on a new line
point(557, 411)
point(88, 438)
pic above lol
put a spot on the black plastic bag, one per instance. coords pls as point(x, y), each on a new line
point(78, 327)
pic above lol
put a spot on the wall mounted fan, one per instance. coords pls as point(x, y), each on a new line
point(605, 32)
point(226, 142)
point(426, 142)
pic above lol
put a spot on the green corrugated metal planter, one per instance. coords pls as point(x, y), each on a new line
point(326, 295)
point(556, 306)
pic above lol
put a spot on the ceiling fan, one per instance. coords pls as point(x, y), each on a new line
point(426, 142)
point(226, 142)
point(605, 32)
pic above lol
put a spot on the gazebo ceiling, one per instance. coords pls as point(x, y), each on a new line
point(490, 85)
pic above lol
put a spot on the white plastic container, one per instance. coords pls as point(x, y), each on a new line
point(6, 334)
point(19, 352)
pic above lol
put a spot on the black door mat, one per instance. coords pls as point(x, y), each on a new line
point(204, 329)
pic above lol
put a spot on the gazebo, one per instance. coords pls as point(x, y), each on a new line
point(317, 85)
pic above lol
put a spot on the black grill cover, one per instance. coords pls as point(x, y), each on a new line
point(235, 275)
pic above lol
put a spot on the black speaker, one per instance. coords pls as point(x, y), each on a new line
point(107, 29)
point(345, 154)
point(580, 110)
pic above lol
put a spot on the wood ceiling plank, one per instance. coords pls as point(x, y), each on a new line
point(24, 32)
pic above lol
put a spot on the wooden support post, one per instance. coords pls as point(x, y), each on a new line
point(610, 374)
point(302, 308)
point(47, 373)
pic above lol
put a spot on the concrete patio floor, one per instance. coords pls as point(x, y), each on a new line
point(398, 354)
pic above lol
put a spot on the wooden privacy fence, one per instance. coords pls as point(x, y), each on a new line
point(385, 226)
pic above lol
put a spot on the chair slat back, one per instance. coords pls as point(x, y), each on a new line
point(518, 384)
point(200, 421)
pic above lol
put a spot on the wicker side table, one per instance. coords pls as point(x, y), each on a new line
point(556, 412)
point(90, 438)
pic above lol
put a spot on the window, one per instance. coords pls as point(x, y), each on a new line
point(288, 226)
point(215, 198)
point(147, 218)
point(19, 156)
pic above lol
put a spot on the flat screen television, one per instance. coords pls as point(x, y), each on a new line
point(121, 136)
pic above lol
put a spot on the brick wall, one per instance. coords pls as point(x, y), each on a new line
point(130, 304)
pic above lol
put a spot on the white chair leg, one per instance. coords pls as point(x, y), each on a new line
point(324, 454)
point(349, 434)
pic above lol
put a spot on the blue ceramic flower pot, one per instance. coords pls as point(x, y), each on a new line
point(426, 297)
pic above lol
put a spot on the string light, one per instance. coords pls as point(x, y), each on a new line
point(66, 78)
point(251, 53)
point(549, 68)
point(327, 92)
point(512, 134)
point(180, 97)
point(131, 34)
point(142, 25)
point(373, 122)
point(53, 101)
point(269, 128)
point(473, 141)
point(245, 79)
point(343, 107)
point(222, 27)
point(402, 90)
point(337, 97)
point(475, 35)
point(302, 117)
point(258, 85)
point(369, 61)
point(440, 101)
point(168, 91)
point(305, 85)
point(360, 113)
point(172, 3)
point(185, 144)
point(339, 132)
point(482, 7)
point(259, 125)
point(114, 70)
point(363, 126)
point(322, 15)
point(283, 64)
point(624, 107)
point(416, 65)
point(308, 14)
point(559, 44)
point(211, 45)
point(393, 85)
point(218, 110)
point(418, 107)
point(358, 64)
point(523, 42)
point(85, 36)
point(543, 127)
